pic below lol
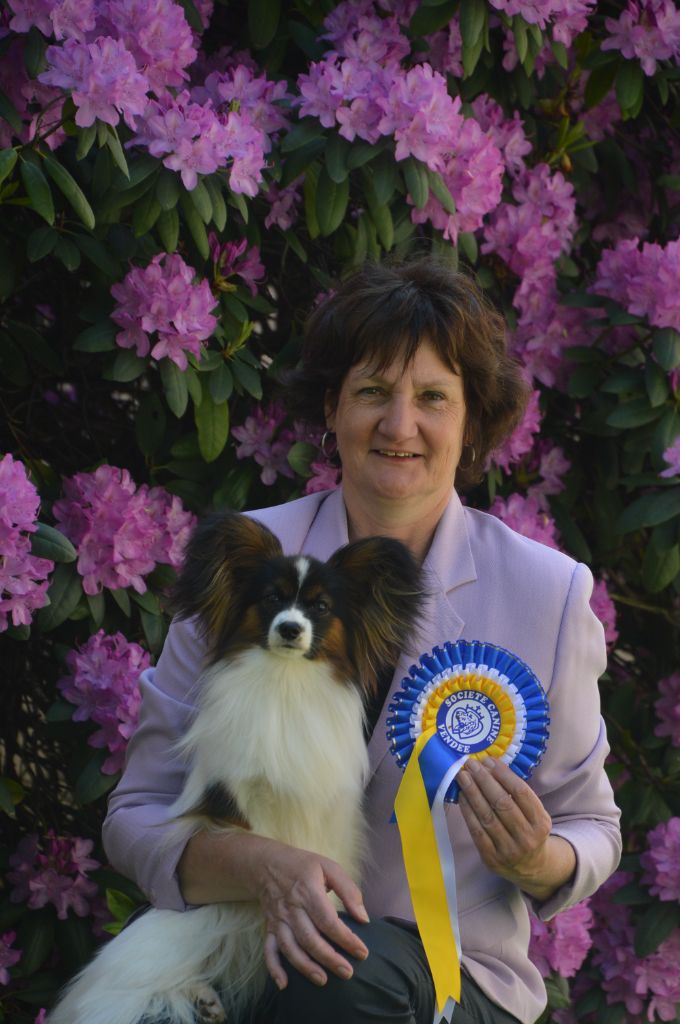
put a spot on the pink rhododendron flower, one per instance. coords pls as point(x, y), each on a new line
point(235, 259)
point(74, 19)
point(648, 30)
point(284, 204)
point(644, 281)
point(525, 516)
point(445, 52)
point(157, 35)
point(521, 440)
point(661, 860)
point(507, 134)
point(30, 13)
point(563, 943)
point(603, 606)
point(39, 106)
point(23, 576)
point(120, 531)
point(54, 871)
point(672, 457)
point(552, 468)
point(421, 116)
point(42, 1016)
point(325, 477)
point(163, 299)
point(193, 139)
point(8, 957)
point(356, 30)
point(103, 683)
point(102, 77)
point(253, 95)
point(262, 438)
point(667, 709)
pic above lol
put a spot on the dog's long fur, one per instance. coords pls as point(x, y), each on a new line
point(276, 745)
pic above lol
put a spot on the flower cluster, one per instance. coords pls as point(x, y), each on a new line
point(8, 956)
point(23, 576)
point(325, 477)
point(526, 516)
point(603, 606)
point(121, 531)
point(255, 96)
point(103, 683)
point(162, 298)
point(667, 709)
point(264, 438)
point(38, 106)
point(54, 871)
point(644, 281)
point(569, 17)
point(193, 139)
point(521, 440)
point(563, 943)
point(648, 30)
point(650, 983)
point(661, 860)
point(235, 259)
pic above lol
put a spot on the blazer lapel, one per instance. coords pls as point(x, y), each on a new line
point(449, 564)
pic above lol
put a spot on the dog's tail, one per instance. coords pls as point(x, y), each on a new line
point(151, 970)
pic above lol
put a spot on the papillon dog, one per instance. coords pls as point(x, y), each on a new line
point(294, 648)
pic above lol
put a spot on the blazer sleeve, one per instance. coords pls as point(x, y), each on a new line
point(136, 834)
point(572, 781)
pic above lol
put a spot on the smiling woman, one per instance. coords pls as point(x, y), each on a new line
point(407, 365)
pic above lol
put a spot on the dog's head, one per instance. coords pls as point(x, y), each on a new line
point(355, 611)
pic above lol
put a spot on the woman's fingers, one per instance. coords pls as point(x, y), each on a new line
point(273, 961)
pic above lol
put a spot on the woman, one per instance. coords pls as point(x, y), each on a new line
point(407, 364)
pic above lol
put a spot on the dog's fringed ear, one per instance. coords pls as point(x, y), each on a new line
point(386, 594)
point(221, 553)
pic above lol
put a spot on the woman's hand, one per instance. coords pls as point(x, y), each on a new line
point(301, 919)
point(292, 887)
point(511, 829)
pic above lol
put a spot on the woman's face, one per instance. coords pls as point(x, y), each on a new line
point(400, 432)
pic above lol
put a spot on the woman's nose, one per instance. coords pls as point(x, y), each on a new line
point(398, 418)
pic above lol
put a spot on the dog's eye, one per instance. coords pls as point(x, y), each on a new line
point(273, 599)
point(321, 606)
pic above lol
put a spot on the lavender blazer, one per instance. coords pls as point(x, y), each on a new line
point(490, 584)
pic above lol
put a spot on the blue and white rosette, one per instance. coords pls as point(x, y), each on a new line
point(464, 700)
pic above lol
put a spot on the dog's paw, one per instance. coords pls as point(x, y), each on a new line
point(209, 1007)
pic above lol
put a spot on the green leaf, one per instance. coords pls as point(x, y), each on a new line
point(650, 510)
point(35, 45)
point(41, 242)
point(634, 413)
point(581, 300)
point(471, 55)
point(92, 784)
point(195, 225)
point(201, 200)
point(248, 377)
point(654, 926)
point(192, 15)
point(98, 254)
point(361, 153)
point(34, 345)
point(13, 365)
point(38, 190)
point(120, 905)
point(154, 631)
point(221, 384)
point(122, 599)
point(300, 160)
point(337, 150)
point(630, 83)
point(100, 337)
point(240, 203)
point(467, 243)
point(168, 189)
point(472, 19)
point(599, 84)
point(64, 592)
point(656, 383)
point(417, 181)
point(671, 181)
point(193, 384)
point(116, 150)
point(86, 137)
point(148, 601)
point(305, 131)
point(174, 387)
point(666, 345)
point(383, 176)
point(35, 939)
point(212, 424)
point(440, 189)
point(47, 542)
point(9, 113)
point(382, 218)
point(300, 457)
point(71, 191)
point(127, 366)
point(8, 159)
point(145, 214)
point(331, 202)
point(219, 207)
point(68, 252)
point(150, 424)
point(75, 942)
point(429, 19)
point(659, 568)
point(519, 29)
point(263, 21)
point(167, 227)
point(97, 605)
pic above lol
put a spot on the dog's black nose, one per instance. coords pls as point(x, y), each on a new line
point(289, 630)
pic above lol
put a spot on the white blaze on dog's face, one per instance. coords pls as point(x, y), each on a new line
point(298, 602)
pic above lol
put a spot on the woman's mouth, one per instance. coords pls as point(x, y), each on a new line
point(396, 454)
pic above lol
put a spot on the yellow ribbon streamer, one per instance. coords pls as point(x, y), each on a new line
point(425, 878)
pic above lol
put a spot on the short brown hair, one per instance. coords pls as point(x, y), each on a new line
point(385, 310)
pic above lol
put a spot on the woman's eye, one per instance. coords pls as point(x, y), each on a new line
point(434, 396)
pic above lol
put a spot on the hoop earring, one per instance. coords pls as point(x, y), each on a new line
point(473, 456)
point(326, 435)
point(329, 449)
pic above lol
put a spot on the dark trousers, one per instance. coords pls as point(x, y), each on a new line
point(393, 985)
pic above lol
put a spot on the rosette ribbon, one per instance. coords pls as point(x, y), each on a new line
point(465, 699)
